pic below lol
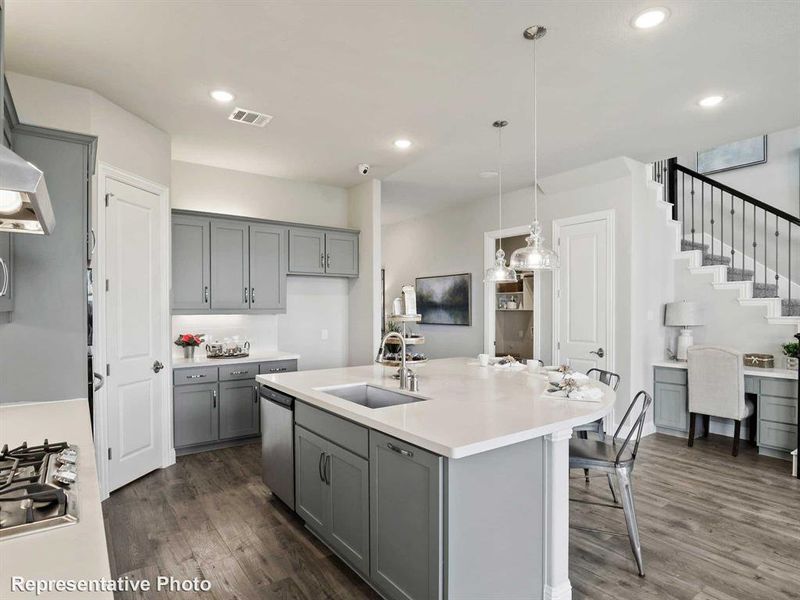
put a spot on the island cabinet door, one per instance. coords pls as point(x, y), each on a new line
point(405, 519)
point(348, 531)
point(195, 415)
point(238, 409)
point(312, 500)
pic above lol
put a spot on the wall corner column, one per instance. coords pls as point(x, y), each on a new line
point(556, 516)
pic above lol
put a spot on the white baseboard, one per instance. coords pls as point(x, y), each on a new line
point(562, 591)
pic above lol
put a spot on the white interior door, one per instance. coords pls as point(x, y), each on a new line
point(583, 292)
point(134, 332)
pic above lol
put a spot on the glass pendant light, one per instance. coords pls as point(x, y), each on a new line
point(499, 272)
point(535, 256)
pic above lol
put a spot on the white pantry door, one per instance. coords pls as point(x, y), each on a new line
point(134, 332)
point(583, 286)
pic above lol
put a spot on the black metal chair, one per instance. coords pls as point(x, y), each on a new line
point(612, 381)
point(616, 461)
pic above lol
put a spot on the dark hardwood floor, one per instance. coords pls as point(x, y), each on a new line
point(712, 528)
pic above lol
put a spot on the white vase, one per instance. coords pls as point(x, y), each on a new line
point(791, 363)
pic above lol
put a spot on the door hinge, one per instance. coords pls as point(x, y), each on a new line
point(107, 284)
point(107, 195)
point(558, 345)
point(558, 293)
point(109, 454)
point(108, 369)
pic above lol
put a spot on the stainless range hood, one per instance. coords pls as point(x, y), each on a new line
point(24, 202)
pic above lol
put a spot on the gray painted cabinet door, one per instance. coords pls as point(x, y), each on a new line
point(230, 276)
point(405, 519)
point(306, 250)
point(670, 408)
point(268, 263)
point(341, 253)
point(348, 529)
point(238, 409)
point(311, 491)
point(6, 273)
point(191, 262)
point(195, 414)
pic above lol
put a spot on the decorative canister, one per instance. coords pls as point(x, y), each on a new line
point(791, 363)
point(188, 351)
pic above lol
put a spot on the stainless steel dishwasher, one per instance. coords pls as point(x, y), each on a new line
point(277, 443)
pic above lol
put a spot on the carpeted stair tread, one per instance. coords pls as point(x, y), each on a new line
point(716, 259)
point(736, 274)
point(765, 290)
point(690, 245)
point(790, 308)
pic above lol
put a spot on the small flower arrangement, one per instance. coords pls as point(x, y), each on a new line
point(565, 369)
point(566, 385)
point(792, 352)
point(189, 339)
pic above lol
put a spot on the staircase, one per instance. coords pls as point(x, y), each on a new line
point(746, 244)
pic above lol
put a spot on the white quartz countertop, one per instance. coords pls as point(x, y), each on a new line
point(72, 552)
point(469, 408)
point(752, 371)
point(201, 361)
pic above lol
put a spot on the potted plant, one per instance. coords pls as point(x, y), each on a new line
point(189, 341)
point(792, 352)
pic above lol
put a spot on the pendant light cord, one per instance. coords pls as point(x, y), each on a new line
point(500, 183)
point(535, 135)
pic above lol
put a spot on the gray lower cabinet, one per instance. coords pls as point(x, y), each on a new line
point(332, 496)
point(191, 263)
point(306, 251)
point(341, 253)
point(6, 273)
point(238, 409)
point(195, 414)
point(230, 257)
point(405, 519)
point(268, 261)
point(670, 411)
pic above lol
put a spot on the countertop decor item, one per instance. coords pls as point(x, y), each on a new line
point(500, 272)
point(535, 256)
point(683, 314)
point(445, 300)
point(760, 361)
point(791, 351)
point(189, 341)
point(409, 299)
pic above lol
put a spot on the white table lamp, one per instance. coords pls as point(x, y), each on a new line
point(683, 314)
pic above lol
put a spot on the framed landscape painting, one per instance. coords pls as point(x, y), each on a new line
point(743, 153)
point(445, 299)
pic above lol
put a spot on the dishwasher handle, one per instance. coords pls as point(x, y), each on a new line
point(277, 397)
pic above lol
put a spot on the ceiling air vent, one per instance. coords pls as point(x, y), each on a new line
point(249, 117)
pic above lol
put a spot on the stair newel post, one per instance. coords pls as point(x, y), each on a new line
point(683, 206)
point(672, 186)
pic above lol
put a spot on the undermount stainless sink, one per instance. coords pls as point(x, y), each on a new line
point(370, 395)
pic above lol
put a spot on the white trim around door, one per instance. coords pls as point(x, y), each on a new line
point(489, 240)
point(105, 174)
point(609, 217)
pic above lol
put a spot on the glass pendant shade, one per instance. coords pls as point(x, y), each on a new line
point(499, 272)
point(535, 256)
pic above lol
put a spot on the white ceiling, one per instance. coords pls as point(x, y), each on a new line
point(343, 80)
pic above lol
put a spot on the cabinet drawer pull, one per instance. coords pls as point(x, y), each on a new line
point(4, 291)
point(322, 260)
point(328, 263)
point(214, 396)
point(278, 370)
point(402, 451)
point(205, 294)
point(327, 469)
point(195, 376)
point(252, 295)
point(239, 372)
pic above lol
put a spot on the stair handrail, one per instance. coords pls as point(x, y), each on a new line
point(734, 192)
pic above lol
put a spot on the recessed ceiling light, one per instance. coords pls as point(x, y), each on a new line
point(402, 144)
point(710, 101)
point(221, 96)
point(487, 174)
point(652, 17)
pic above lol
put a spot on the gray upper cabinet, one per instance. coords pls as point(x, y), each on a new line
point(230, 257)
point(6, 273)
point(268, 262)
point(405, 519)
point(238, 409)
point(191, 263)
point(341, 253)
point(195, 414)
point(306, 251)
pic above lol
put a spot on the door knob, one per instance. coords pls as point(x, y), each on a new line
point(599, 352)
point(157, 366)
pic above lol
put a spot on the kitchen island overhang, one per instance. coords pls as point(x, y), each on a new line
point(504, 477)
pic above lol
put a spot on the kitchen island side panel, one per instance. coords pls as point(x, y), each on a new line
point(494, 538)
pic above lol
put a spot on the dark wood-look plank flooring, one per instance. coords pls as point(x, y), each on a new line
point(712, 528)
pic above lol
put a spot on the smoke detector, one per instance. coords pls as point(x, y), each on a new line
point(249, 117)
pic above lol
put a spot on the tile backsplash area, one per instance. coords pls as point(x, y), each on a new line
point(260, 330)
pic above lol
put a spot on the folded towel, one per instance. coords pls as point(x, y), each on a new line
point(515, 366)
point(587, 394)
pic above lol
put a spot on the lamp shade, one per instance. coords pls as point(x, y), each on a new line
point(683, 314)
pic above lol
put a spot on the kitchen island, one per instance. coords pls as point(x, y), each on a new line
point(459, 492)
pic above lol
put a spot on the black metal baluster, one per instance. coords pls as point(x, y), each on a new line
point(755, 244)
point(776, 254)
point(721, 224)
point(703, 218)
point(711, 212)
point(683, 206)
point(744, 246)
point(693, 228)
point(765, 247)
point(789, 272)
point(733, 235)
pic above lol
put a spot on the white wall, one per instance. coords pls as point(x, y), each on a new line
point(211, 189)
point(313, 304)
point(776, 182)
point(364, 209)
